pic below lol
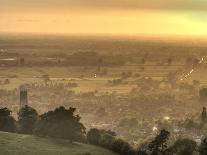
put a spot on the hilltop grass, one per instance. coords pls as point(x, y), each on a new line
point(18, 144)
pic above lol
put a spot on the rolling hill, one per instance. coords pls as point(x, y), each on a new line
point(18, 144)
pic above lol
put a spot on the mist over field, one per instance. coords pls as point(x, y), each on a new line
point(114, 82)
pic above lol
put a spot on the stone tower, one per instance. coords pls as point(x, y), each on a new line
point(23, 97)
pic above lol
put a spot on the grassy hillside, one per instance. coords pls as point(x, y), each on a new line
point(17, 144)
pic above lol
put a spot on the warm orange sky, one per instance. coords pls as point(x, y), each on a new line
point(158, 17)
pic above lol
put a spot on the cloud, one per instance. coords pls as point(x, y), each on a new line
point(121, 4)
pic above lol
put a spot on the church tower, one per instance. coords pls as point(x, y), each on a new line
point(23, 97)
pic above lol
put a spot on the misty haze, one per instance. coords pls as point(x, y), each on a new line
point(103, 77)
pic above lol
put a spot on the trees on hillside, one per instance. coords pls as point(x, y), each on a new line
point(63, 123)
point(108, 140)
point(60, 123)
point(27, 118)
point(7, 122)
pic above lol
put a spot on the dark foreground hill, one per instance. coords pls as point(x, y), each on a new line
point(18, 144)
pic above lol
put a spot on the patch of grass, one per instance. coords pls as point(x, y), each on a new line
point(18, 144)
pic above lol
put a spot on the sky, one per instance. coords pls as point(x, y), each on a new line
point(116, 17)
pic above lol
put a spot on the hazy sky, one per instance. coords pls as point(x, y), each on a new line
point(157, 17)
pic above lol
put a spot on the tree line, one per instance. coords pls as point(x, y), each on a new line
point(65, 124)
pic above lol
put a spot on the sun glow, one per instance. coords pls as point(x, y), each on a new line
point(99, 22)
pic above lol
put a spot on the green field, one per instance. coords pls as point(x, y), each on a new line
point(17, 144)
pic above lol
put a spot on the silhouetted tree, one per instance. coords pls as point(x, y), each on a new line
point(203, 115)
point(46, 78)
point(21, 61)
point(6, 81)
point(7, 122)
point(106, 140)
point(203, 147)
point(141, 152)
point(159, 144)
point(169, 61)
point(203, 95)
point(143, 60)
point(61, 123)
point(121, 147)
point(27, 118)
point(191, 124)
point(93, 136)
point(184, 147)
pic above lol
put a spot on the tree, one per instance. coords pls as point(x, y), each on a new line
point(191, 124)
point(7, 122)
point(27, 118)
point(100, 137)
point(21, 61)
point(141, 152)
point(121, 147)
point(203, 115)
point(61, 123)
point(46, 78)
point(203, 95)
point(203, 147)
point(106, 140)
point(6, 81)
point(184, 147)
point(143, 60)
point(93, 136)
point(159, 144)
point(169, 61)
